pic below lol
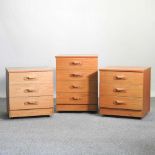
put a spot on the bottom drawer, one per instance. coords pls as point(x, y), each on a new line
point(76, 108)
point(77, 98)
point(121, 102)
point(30, 102)
point(31, 112)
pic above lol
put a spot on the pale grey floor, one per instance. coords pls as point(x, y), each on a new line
point(77, 134)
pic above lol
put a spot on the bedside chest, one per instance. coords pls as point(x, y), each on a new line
point(77, 83)
point(125, 91)
point(29, 91)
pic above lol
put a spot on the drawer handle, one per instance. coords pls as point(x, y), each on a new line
point(120, 77)
point(29, 90)
point(30, 103)
point(119, 90)
point(76, 75)
point(73, 86)
point(76, 98)
point(29, 78)
point(76, 63)
point(118, 102)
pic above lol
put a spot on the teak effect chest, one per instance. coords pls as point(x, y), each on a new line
point(125, 91)
point(29, 91)
point(77, 83)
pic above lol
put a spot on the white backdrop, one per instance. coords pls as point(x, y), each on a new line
point(120, 32)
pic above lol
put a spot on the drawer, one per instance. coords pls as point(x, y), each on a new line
point(19, 103)
point(20, 90)
point(77, 98)
point(121, 90)
point(76, 63)
point(121, 102)
point(77, 86)
point(30, 77)
point(77, 75)
point(31, 112)
point(112, 77)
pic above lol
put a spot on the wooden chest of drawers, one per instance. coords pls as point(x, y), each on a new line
point(77, 86)
point(29, 91)
point(125, 91)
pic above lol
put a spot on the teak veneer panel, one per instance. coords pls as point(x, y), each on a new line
point(121, 102)
point(132, 97)
point(29, 69)
point(127, 78)
point(77, 83)
point(74, 75)
point(121, 112)
point(146, 90)
point(77, 86)
point(29, 91)
point(125, 69)
point(18, 103)
point(77, 98)
point(86, 107)
point(19, 90)
point(76, 63)
point(122, 90)
point(30, 77)
point(31, 112)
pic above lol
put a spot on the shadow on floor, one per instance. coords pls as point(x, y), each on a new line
point(3, 112)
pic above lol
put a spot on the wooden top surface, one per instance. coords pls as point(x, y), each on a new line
point(76, 56)
point(28, 69)
point(124, 69)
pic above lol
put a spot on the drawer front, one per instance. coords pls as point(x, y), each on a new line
point(77, 63)
point(77, 74)
point(121, 103)
point(121, 90)
point(77, 86)
point(20, 90)
point(132, 78)
point(77, 98)
point(30, 77)
point(30, 102)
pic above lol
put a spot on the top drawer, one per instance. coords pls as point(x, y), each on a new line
point(76, 63)
point(30, 77)
point(114, 77)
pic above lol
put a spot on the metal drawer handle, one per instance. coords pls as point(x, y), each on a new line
point(76, 98)
point(30, 103)
point(117, 102)
point(120, 77)
point(29, 78)
point(119, 90)
point(73, 86)
point(29, 90)
point(76, 63)
point(76, 75)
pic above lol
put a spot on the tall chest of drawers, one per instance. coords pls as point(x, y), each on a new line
point(29, 91)
point(125, 91)
point(77, 86)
